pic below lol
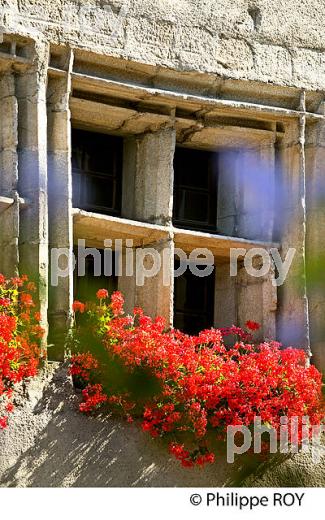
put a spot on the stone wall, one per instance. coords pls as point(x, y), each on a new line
point(274, 41)
point(49, 443)
point(267, 52)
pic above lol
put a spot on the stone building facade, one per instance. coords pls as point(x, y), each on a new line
point(244, 81)
point(232, 83)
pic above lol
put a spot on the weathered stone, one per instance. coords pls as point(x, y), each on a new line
point(236, 77)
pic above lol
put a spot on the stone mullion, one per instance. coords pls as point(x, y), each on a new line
point(148, 197)
point(32, 171)
point(292, 323)
point(156, 296)
point(315, 241)
point(9, 226)
point(269, 289)
point(60, 209)
point(245, 297)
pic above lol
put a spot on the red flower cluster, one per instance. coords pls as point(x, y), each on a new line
point(92, 397)
point(102, 293)
point(204, 386)
point(81, 365)
point(78, 306)
point(252, 325)
point(203, 456)
point(20, 333)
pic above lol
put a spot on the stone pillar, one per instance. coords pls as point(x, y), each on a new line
point(148, 197)
point(257, 296)
point(257, 301)
point(226, 305)
point(267, 189)
point(255, 190)
point(293, 325)
point(60, 210)
point(315, 238)
point(148, 177)
point(156, 295)
point(228, 192)
point(9, 226)
point(32, 171)
point(246, 209)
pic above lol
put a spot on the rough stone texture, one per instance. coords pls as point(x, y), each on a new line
point(296, 471)
point(280, 41)
point(245, 52)
point(32, 178)
point(9, 229)
point(60, 206)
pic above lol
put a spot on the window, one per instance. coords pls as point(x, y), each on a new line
point(193, 301)
point(195, 189)
point(97, 172)
point(85, 287)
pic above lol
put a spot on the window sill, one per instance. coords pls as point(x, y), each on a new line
point(6, 202)
point(94, 228)
point(219, 245)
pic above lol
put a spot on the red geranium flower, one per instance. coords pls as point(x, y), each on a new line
point(19, 341)
point(200, 384)
point(102, 293)
point(78, 306)
point(252, 325)
point(27, 300)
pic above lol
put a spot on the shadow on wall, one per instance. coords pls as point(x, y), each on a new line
point(49, 443)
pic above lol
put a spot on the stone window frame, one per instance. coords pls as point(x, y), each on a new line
point(96, 110)
point(296, 116)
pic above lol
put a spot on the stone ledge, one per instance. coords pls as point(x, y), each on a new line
point(6, 202)
point(95, 228)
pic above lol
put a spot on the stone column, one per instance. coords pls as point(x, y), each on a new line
point(9, 226)
point(32, 170)
point(60, 211)
point(315, 238)
point(293, 325)
point(257, 296)
point(246, 209)
point(256, 191)
point(148, 197)
point(225, 305)
point(257, 301)
point(156, 295)
point(148, 177)
point(228, 192)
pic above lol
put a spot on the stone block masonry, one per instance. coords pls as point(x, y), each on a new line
point(235, 78)
point(245, 79)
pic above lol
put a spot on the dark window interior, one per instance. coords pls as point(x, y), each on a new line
point(195, 189)
point(85, 287)
point(97, 161)
point(193, 301)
